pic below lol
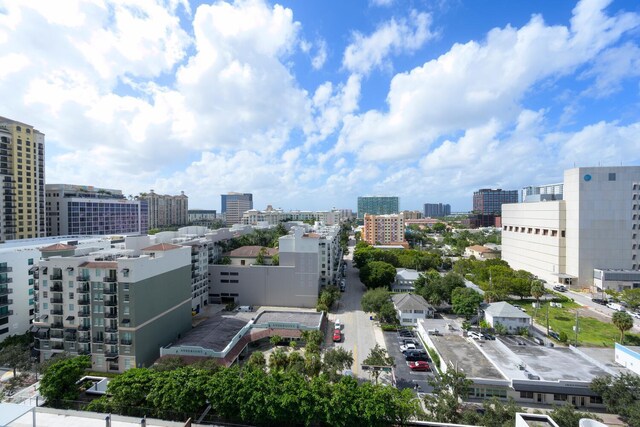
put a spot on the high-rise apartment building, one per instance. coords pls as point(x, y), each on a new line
point(436, 210)
point(383, 229)
point(86, 210)
point(22, 175)
point(584, 233)
point(411, 215)
point(119, 306)
point(233, 205)
point(166, 210)
point(489, 202)
point(378, 205)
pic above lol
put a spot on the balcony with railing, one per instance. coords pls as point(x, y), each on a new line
point(70, 337)
point(57, 346)
point(57, 275)
point(56, 335)
point(111, 354)
point(111, 340)
point(111, 328)
point(85, 338)
point(98, 339)
point(113, 314)
point(84, 301)
point(110, 278)
point(110, 290)
point(57, 311)
point(6, 269)
point(83, 289)
point(56, 300)
point(5, 290)
point(56, 287)
point(111, 302)
point(5, 280)
point(84, 313)
point(126, 342)
point(84, 327)
point(82, 278)
point(42, 345)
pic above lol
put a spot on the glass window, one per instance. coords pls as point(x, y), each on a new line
point(30, 262)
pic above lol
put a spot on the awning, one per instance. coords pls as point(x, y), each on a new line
point(70, 317)
point(34, 329)
point(564, 275)
point(32, 269)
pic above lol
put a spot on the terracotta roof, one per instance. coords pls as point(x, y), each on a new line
point(311, 235)
point(99, 264)
point(58, 247)
point(162, 247)
point(252, 252)
point(481, 249)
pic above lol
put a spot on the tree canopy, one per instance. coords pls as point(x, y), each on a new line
point(465, 301)
point(58, 384)
point(377, 274)
point(623, 321)
point(621, 395)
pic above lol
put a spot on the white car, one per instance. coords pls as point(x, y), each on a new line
point(338, 324)
point(406, 347)
point(475, 335)
point(634, 314)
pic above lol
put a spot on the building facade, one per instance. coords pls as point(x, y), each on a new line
point(594, 227)
point(378, 205)
point(165, 210)
point(436, 210)
point(383, 229)
point(233, 205)
point(87, 210)
point(411, 215)
point(118, 306)
point(489, 202)
point(18, 260)
point(276, 216)
point(22, 175)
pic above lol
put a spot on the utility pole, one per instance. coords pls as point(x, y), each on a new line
point(577, 327)
point(548, 304)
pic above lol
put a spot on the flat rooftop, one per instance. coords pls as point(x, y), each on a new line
point(463, 354)
point(517, 357)
point(310, 319)
point(217, 331)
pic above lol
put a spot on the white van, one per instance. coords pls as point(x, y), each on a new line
point(245, 308)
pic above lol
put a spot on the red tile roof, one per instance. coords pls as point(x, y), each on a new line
point(252, 252)
point(57, 247)
point(162, 247)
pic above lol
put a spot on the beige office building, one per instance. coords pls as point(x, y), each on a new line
point(574, 232)
point(383, 229)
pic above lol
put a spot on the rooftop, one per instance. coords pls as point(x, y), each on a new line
point(57, 247)
point(504, 309)
point(161, 247)
point(406, 301)
point(252, 251)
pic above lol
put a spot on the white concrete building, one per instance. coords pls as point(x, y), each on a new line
point(628, 356)
point(276, 216)
point(507, 315)
point(18, 259)
point(590, 222)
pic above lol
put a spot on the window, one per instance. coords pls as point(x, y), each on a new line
point(30, 262)
point(612, 177)
point(125, 310)
point(242, 262)
point(126, 297)
point(70, 284)
point(224, 273)
point(71, 307)
point(125, 286)
point(562, 234)
point(224, 281)
point(560, 397)
point(45, 306)
point(70, 295)
point(595, 399)
point(45, 294)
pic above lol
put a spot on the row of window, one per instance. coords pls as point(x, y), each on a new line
point(531, 230)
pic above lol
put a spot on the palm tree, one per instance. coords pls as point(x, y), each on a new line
point(623, 322)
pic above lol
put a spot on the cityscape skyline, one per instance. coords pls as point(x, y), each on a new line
point(376, 97)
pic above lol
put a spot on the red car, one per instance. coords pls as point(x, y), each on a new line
point(337, 336)
point(419, 366)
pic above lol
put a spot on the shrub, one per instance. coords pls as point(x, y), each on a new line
point(389, 327)
point(563, 336)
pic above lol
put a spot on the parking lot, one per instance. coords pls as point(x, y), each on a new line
point(405, 377)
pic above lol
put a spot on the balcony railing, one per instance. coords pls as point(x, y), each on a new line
point(98, 339)
point(56, 276)
point(82, 278)
point(110, 290)
point(109, 279)
point(69, 337)
point(111, 341)
point(111, 315)
point(5, 290)
point(84, 351)
point(57, 346)
point(111, 328)
point(83, 289)
point(126, 342)
point(111, 354)
point(57, 311)
point(57, 325)
point(56, 288)
point(111, 302)
point(84, 301)
point(6, 269)
point(57, 300)
point(84, 313)
point(84, 339)
point(82, 327)
point(4, 280)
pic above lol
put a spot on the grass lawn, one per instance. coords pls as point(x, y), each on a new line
point(592, 332)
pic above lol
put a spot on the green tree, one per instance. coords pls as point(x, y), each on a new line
point(278, 360)
point(15, 356)
point(181, 390)
point(168, 363)
point(58, 384)
point(275, 340)
point(260, 258)
point(313, 340)
point(439, 227)
point(465, 301)
point(444, 403)
point(257, 360)
point(631, 297)
point(335, 361)
point(498, 413)
point(621, 395)
point(387, 313)
point(623, 321)
point(568, 416)
point(373, 299)
point(377, 274)
point(296, 363)
point(537, 290)
point(378, 357)
point(275, 259)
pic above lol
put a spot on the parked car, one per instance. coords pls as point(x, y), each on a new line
point(405, 341)
point(337, 335)
point(554, 335)
point(560, 288)
point(416, 352)
point(416, 358)
point(601, 301)
point(338, 324)
point(406, 347)
point(419, 365)
point(634, 314)
point(616, 306)
point(488, 337)
point(406, 334)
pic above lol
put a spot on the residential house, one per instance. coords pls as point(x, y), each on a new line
point(507, 315)
point(411, 308)
point(405, 279)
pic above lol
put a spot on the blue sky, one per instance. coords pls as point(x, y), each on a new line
point(309, 104)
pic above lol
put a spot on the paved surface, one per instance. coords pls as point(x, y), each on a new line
point(405, 377)
point(359, 332)
point(465, 356)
